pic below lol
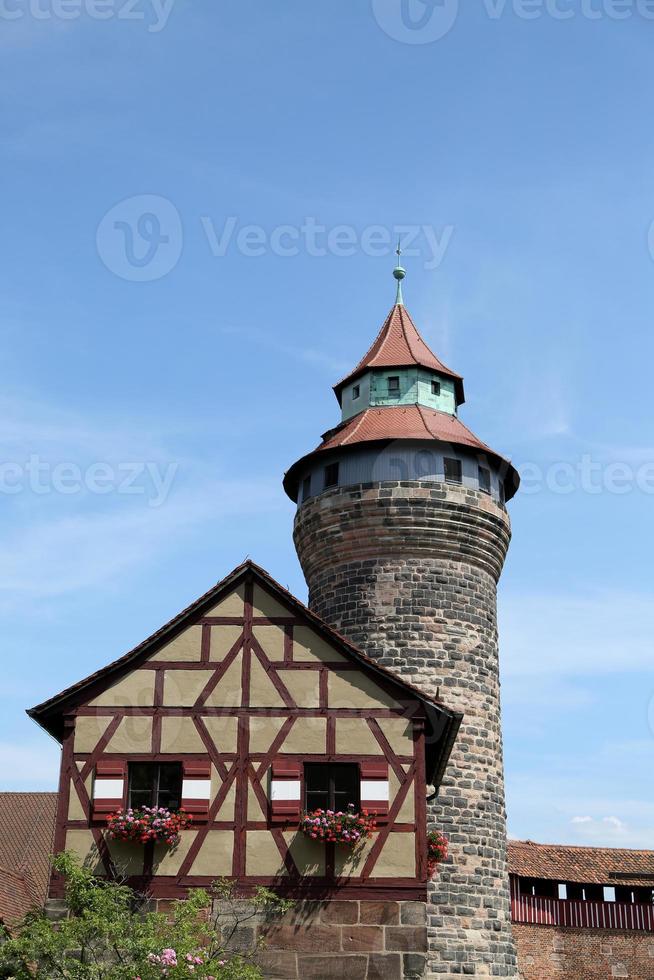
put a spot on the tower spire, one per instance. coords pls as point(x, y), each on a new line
point(399, 274)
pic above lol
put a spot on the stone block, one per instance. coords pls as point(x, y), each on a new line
point(413, 913)
point(379, 913)
point(332, 967)
point(278, 965)
point(385, 966)
point(340, 913)
point(406, 939)
point(362, 939)
point(302, 939)
point(415, 965)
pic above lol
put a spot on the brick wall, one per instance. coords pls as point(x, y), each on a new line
point(550, 953)
point(408, 571)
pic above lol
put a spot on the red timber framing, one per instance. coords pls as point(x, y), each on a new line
point(243, 771)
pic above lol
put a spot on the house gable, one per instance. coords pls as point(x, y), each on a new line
point(245, 680)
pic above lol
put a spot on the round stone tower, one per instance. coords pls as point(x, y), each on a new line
point(402, 532)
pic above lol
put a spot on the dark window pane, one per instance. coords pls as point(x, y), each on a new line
point(331, 786)
point(345, 785)
point(154, 784)
point(331, 475)
point(170, 785)
point(306, 487)
point(356, 391)
point(316, 777)
point(453, 471)
point(435, 387)
point(393, 385)
point(142, 783)
point(484, 479)
point(317, 801)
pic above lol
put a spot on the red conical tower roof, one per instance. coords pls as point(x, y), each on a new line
point(398, 344)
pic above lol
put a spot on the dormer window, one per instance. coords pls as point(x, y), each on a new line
point(435, 387)
point(356, 391)
point(453, 472)
point(331, 475)
point(394, 385)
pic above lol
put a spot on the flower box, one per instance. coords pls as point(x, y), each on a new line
point(337, 826)
point(148, 824)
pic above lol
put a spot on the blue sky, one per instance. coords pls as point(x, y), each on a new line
point(164, 361)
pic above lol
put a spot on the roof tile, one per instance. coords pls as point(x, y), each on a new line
point(398, 344)
point(403, 422)
point(582, 865)
point(26, 843)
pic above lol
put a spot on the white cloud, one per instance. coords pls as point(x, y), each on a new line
point(581, 820)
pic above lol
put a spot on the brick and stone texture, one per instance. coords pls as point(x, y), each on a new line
point(408, 571)
point(345, 940)
point(551, 953)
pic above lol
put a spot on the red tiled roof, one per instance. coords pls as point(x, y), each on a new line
point(583, 865)
point(402, 422)
point(26, 842)
point(398, 344)
point(16, 896)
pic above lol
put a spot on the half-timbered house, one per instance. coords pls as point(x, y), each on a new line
point(245, 710)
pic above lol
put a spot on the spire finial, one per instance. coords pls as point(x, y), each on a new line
point(399, 274)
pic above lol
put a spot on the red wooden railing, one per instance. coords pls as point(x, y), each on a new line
point(590, 915)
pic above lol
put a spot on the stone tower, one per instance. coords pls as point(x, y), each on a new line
point(402, 532)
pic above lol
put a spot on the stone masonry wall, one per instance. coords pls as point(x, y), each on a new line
point(550, 953)
point(330, 940)
point(408, 572)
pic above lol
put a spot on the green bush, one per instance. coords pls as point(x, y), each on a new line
point(110, 936)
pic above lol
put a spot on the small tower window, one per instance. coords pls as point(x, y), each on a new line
point(453, 471)
point(394, 385)
point(484, 480)
point(435, 387)
point(306, 487)
point(356, 391)
point(331, 475)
